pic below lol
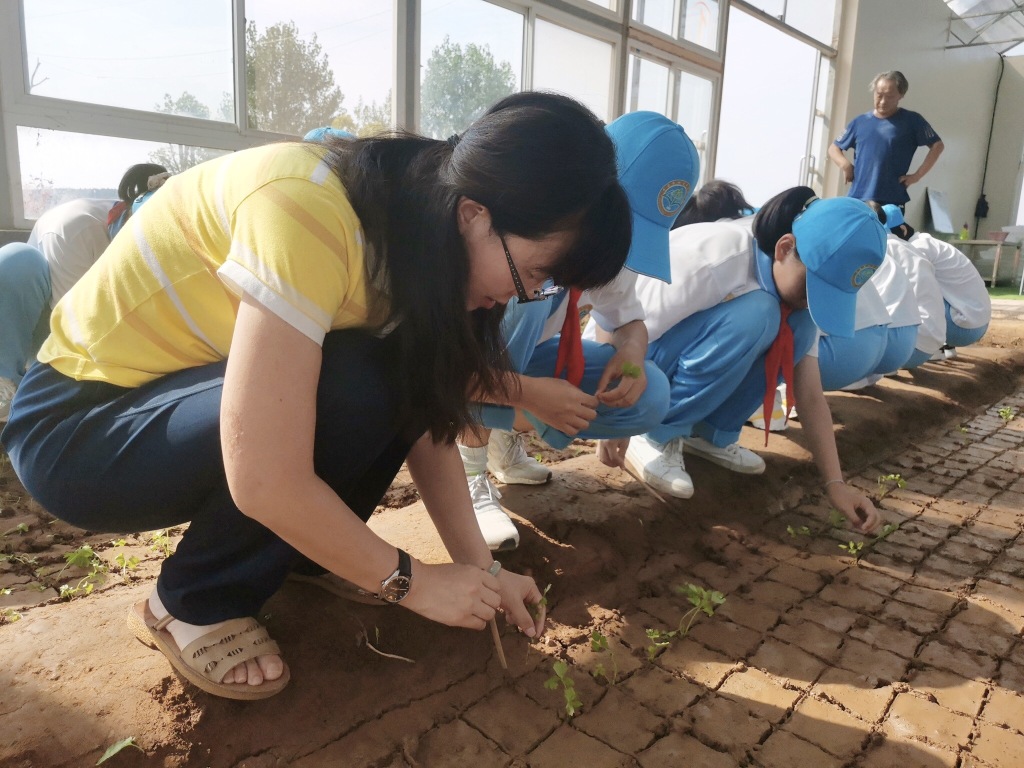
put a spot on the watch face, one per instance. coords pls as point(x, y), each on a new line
point(396, 588)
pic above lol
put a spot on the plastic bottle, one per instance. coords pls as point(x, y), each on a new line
point(965, 232)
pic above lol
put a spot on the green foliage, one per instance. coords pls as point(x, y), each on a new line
point(459, 84)
point(632, 371)
point(116, 747)
point(9, 616)
point(126, 563)
point(289, 81)
point(704, 601)
point(534, 609)
point(83, 557)
point(160, 542)
point(1007, 414)
point(568, 685)
point(853, 547)
point(179, 157)
point(836, 519)
point(803, 530)
point(888, 483)
point(599, 644)
point(19, 528)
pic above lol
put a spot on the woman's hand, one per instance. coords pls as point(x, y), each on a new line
point(559, 404)
point(612, 453)
point(454, 594)
point(857, 507)
point(466, 596)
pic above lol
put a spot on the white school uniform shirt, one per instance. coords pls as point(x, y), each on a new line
point(931, 334)
point(612, 306)
point(871, 310)
point(893, 286)
point(71, 237)
point(711, 263)
point(962, 286)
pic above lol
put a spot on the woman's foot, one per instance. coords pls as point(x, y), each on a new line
point(253, 672)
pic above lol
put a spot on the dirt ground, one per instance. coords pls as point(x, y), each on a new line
point(904, 651)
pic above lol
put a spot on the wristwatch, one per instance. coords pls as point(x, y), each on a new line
point(396, 586)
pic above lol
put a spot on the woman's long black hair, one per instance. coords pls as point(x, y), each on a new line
point(541, 163)
point(717, 199)
point(776, 217)
point(135, 181)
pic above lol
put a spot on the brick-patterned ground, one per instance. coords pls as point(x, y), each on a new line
point(910, 656)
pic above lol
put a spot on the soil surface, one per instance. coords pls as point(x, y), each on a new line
point(829, 650)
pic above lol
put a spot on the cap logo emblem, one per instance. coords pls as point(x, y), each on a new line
point(672, 196)
point(862, 275)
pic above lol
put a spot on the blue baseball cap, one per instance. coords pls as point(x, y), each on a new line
point(842, 243)
point(319, 134)
point(658, 167)
point(893, 216)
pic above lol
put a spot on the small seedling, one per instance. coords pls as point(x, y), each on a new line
point(161, 542)
point(887, 530)
point(888, 483)
point(562, 677)
point(9, 616)
point(113, 749)
point(836, 519)
point(962, 428)
point(19, 528)
point(703, 601)
point(539, 458)
point(599, 644)
point(632, 371)
point(534, 608)
point(126, 563)
point(1007, 414)
point(803, 530)
point(15, 558)
point(853, 547)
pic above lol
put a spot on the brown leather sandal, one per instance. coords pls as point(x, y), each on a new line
point(205, 661)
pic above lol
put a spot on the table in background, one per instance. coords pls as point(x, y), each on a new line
point(967, 245)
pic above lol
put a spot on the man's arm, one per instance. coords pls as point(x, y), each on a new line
point(839, 158)
point(926, 165)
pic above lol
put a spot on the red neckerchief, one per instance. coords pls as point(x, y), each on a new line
point(570, 344)
point(779, 358)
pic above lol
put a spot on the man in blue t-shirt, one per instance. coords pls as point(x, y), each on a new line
point(884, 141)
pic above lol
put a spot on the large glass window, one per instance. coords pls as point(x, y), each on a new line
point(766, 108)
point(315, 64)
point(154, 56)
point(695, 21)
point(57, 166)
point(647, 87)
point(693, 112)
point(812, 17)
point(575, 64)
point(471, 56)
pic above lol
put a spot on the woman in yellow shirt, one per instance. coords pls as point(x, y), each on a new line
point(269, 338)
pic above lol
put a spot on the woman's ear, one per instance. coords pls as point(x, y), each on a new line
point(472, 215)
point(785, 244)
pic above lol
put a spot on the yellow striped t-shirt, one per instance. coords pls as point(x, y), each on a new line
point(272, 222)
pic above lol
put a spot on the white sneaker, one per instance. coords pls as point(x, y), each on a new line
point(731, 457)
point(778, 422)
point(499, 531)
point(509, 463)
point(949, 353)
point(660, 467)
point(7, 390)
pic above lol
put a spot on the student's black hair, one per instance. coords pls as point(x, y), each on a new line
point(775, 218)
point(541, 163)
point(904, 231)
point(715, 200)
point(135, 181)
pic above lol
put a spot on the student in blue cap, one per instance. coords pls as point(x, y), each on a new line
point(742, 312)
point(606, 391)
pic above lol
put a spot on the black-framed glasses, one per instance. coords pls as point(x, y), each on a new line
point(524, 298)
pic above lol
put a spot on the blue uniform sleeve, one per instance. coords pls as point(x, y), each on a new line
point(849, 137)
point(924, 134)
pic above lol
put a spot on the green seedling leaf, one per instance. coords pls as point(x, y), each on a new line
point(539, 458)
point(1007, 414)
point(19, 528)
point(886, 484)
point(853, 547)
point(632, 371)
point(82, 557)
point(803, 530)
point(836, 518)
point(9, 616)
point(5, 591)
point(113, 749)
point(534, 608)
point(561, 677)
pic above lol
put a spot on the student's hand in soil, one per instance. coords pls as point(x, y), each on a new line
point(612, 453)
point(857, 507)
point(559, 404)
